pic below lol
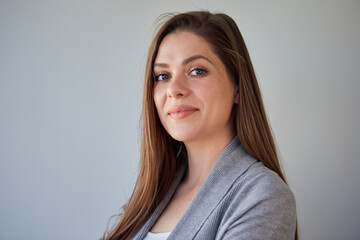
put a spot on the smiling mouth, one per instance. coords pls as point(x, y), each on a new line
point(180, 112)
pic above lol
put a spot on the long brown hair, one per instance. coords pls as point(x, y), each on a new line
point(158, 161)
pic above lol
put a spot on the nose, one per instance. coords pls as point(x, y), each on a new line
point(177, 87)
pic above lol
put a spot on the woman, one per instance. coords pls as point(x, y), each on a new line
point(208, 166)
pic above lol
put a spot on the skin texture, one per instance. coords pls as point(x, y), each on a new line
point(194, 98)
point(189, 73)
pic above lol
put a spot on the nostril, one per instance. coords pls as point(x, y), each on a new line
point(175, 93)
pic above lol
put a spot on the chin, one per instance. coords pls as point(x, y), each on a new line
point(182, 136)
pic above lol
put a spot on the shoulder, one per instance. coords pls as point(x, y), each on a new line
point(260, 204)
point(260, 182)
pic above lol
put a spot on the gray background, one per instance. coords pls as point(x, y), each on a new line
point(70, 100)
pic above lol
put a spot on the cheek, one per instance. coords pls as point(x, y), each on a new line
point(219, 95)
point(209, 93)
point(203, 89)
point(158, 97)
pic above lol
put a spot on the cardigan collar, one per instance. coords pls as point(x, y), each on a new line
point(233, 162)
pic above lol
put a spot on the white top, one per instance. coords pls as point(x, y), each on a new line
point(157, 236)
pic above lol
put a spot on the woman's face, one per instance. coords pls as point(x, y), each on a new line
point(193, 94)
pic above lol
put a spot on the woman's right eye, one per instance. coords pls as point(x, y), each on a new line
point(161, 77)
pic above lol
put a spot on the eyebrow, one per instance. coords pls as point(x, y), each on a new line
point(186, 61)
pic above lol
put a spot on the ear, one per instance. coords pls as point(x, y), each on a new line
point(237, 95)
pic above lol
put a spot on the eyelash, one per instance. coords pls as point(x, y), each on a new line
point(199, 69)
point(156, 76)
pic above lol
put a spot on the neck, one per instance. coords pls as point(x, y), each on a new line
point(202, 156)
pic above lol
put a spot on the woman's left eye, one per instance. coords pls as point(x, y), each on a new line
point(197, 71)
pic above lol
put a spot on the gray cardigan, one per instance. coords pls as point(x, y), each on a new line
point(239, 199)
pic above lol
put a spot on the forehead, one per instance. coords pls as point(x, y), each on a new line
point(182, 44)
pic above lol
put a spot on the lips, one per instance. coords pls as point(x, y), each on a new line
point(181, 111)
